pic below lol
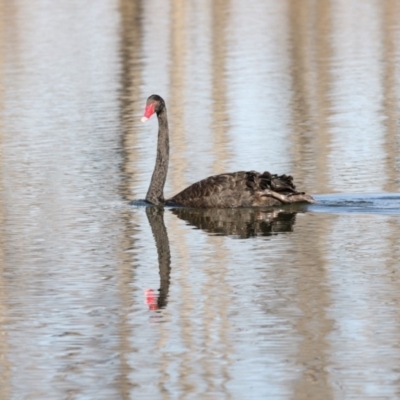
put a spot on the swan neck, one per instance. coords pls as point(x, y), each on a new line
point(155, 194)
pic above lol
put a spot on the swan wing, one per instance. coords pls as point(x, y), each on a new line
point(237, 189)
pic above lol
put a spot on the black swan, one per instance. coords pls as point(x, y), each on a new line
point(236, 189)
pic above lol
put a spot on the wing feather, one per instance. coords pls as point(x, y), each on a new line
point(236, 189)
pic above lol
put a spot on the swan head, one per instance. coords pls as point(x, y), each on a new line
point(154, 104)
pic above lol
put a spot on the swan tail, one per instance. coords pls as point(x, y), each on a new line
point(278, 187)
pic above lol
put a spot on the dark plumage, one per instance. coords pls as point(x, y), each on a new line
point(236, 189)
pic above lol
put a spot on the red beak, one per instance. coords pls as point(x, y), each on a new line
point(148, 112)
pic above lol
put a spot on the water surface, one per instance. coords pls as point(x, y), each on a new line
point(102, 298)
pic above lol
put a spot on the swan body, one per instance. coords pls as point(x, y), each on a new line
point(229, 190)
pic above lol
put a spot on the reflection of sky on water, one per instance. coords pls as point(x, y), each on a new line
point(362, 336)
point(292, 313)
point(59, 168)
point(259, 85)
point(357, 96)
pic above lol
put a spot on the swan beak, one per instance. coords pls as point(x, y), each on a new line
point(148, 111)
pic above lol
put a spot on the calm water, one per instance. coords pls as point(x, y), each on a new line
point(102, 298)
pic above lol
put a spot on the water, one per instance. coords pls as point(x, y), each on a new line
point(104, 298)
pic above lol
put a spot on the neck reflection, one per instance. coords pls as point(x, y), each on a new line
point(155, 216)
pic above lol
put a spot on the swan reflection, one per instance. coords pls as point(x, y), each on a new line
point(241, 223)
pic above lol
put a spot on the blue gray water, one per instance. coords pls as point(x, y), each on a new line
point(104, 298)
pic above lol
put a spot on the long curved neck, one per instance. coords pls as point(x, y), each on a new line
point(155, 194)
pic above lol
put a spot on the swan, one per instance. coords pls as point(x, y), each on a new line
point(228, 190)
